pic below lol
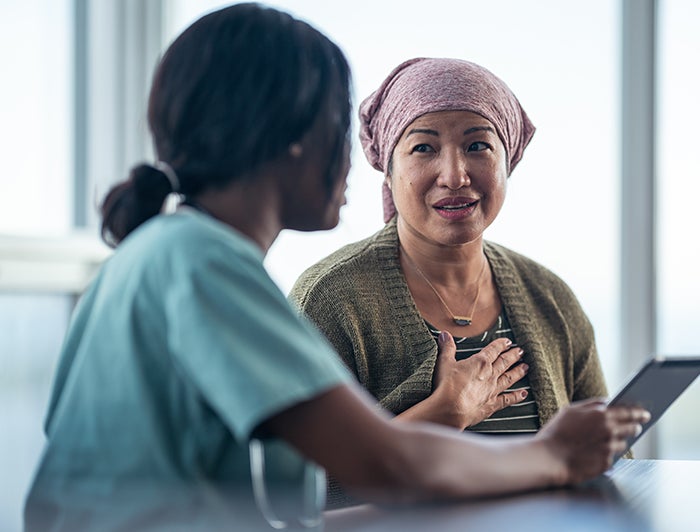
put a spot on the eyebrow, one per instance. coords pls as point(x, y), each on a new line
point(436, 134)
point(479, 128)
point(426, 131)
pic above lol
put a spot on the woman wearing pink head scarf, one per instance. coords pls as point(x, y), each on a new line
point(447, 134)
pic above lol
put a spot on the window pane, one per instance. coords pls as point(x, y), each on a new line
point(678, 190)
point(35, 198)
point(31, 333)
point(35, 106)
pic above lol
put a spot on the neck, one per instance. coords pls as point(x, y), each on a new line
point(249, 207)
point(448, 265)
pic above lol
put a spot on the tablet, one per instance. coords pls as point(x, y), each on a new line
point(659, 382)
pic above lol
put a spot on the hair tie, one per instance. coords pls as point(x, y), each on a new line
point(166, 169)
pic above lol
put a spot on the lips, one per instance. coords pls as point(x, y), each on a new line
point(455, 204)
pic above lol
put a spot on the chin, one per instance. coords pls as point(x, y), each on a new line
point(316, 225)
point(460, 238)
point(329, 224)
point(314, 219)
point(330, 220)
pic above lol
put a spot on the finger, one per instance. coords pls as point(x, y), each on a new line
point(628, 430)
point(492, 351)
point(511, 377)
point(618, 447)
point(446, 347)
point(625, 413)
point(509, 398)
point(507, 359)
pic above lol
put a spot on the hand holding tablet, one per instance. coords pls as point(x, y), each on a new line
point(659, 382)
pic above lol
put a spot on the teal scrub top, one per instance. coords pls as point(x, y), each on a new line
point(178, 350)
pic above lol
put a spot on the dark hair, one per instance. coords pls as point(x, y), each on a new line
point(233, 91)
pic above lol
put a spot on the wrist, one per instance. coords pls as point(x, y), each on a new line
point(552, 456)
point(433, 409)
point(444, 410)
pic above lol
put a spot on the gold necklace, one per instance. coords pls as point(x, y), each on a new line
point(462, 321)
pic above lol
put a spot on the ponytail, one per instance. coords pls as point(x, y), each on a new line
point(132, 202)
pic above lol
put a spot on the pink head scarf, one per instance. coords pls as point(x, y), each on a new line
point(425, 85)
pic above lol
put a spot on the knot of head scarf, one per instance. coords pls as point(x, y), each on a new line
point(426, 85)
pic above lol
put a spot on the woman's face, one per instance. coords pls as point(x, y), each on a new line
point(448, 177)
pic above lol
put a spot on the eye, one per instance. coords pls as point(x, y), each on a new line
point(422, 148)
point(478, 146)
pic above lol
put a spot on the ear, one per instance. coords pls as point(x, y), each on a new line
point(296, 150)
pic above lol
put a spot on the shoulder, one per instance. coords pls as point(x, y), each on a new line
point(351, 267)
point(511, 267)
point(200, 235)
point(171, 256)
point(192, 240)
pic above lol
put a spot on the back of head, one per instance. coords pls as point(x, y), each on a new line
point(232, 92)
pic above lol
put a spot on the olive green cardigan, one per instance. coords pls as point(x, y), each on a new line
point(359, 299)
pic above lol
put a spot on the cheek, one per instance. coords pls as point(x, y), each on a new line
point(403, 190)
point(497, 193)
point(495, 173)
point(339, 189)
point(414, 178)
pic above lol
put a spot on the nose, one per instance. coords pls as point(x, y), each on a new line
point(454, 170)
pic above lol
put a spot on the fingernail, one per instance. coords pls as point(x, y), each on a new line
point(443, 336)
point(637, 430)
point(521, 352)
point(523, 394)
point(525, 366)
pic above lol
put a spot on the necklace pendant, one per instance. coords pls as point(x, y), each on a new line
point(461, 320)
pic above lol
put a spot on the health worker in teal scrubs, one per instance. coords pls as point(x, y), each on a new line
point(189, 395)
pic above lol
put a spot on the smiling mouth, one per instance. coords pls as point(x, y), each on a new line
point(456, 207)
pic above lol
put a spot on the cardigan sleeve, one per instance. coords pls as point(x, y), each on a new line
point(319, 306)
point(588, 374)
point(588, 380)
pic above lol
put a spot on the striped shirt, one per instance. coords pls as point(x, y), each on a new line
point(516, 418)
